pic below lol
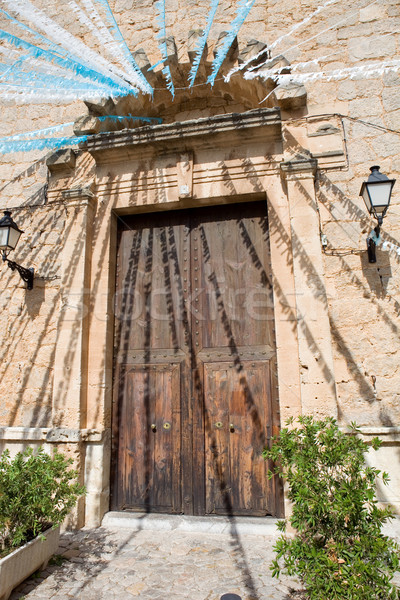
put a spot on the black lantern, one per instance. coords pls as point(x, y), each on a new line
point(376, 192)
point(9, 236)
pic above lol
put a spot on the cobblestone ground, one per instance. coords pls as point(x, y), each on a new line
point(99, 564)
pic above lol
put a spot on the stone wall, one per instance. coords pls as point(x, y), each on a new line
point(349, 365)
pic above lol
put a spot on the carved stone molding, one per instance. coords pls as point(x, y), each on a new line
point(304, 168)
point(180, 136)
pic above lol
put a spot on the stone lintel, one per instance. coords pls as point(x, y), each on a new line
point(299, 169)
point(180, 132)
point(51, 435)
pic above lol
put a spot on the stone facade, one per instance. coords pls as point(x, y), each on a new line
point(336, 315)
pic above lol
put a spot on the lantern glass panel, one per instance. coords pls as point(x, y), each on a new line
point(13, 238)
point(366, 198)
point(379, 195)
point(4, 231)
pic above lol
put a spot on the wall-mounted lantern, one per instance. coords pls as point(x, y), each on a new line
point(9, 236)
point(376, 192)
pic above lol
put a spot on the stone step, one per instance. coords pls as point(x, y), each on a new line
point(264, 526)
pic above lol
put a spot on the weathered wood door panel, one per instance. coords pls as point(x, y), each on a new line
point(150, 438)
point(234, 347)
point(195, 350)
point(236, 436)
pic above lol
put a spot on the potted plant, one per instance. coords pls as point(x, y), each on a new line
point(37, 491)
point(338, 549)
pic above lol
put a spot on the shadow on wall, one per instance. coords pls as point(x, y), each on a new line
point(32, 320)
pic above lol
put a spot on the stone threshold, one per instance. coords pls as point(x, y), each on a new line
point(265, 526)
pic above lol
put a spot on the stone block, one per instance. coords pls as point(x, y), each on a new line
point(106, 106)
point(371, 13)
point(253, 48)
point(172, 52)
point(192, 44)
point(371, 47)
point(391, 99)
point(86, 125)
point(290, 95)
point(233, 49)
point(61, 160)
point(347, 90)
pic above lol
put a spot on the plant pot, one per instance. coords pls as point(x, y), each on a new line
point(27, 559)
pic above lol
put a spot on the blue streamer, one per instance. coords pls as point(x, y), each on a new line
point(120, 38)
point(40, 144)
point(202, 42)
point(33, 140)
point(131, 118)
point(56, 49)
point(111, 87)
point(243, 10)
point(160, 6)
point(37, 133)
point(14, 76)
point(60, 51)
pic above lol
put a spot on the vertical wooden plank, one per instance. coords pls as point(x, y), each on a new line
point(218, 480)
point(197, 369)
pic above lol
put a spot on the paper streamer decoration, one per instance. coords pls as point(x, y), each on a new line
point(335, 25)
point(39, 140)
point(66, 40)
point(131, 118)
point(109, 83)
point(142, 82)
point(302, 23)
point(202, 42)
point(242, 11)
point(37, 133)
point(370, 70)
point(160, 6)
point(391, 247)
point(40, 144)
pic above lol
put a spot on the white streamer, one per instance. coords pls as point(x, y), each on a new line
point(161, 35)
point(66, 40)
point(302, 23)
point(37, 133)
point(254, 58)
point(110, 44)
point(32, 96)
point(142, 81)
point(370, 70)
point(202, 42)
point(106, 39)
point(242, 11)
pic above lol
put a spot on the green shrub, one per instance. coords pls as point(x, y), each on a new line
point(36, 491)
point(338, 550)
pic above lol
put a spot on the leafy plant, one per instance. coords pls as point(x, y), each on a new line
point(36, 491)
point(338, 550)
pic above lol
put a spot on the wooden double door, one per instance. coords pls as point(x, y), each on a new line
point(194, 383)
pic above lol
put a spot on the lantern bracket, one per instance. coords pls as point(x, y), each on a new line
point(372, 242)
point(26, 274)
